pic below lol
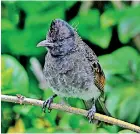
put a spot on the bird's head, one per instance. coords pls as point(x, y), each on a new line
point(60, 38)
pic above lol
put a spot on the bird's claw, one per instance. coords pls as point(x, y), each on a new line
point(91, 113)
point(47, 104)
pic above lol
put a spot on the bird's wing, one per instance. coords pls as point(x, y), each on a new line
point(99, 77)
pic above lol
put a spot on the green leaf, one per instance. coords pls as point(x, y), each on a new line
point(128, 28)
point(14, 77)
point(34, 7)
point(112, 106)
point(64, 122)
point(11, 13)
point(101, 37)
point(86, 127)
point(44, 19)
point(24, 42)
point(102, 130)
point(127, 20)
point(91, 30)
point(6, 115)
point(84, 26)
point(111, 128)
point(129, 25)
point(138, 70)
point(109, 18)
point(68, 4)
point(124, 95)
point(74, 121)
point(22, 109)
point(36, 130)
point(127, 132)
point(129, 108)
point(118, 62)
point(6, 25)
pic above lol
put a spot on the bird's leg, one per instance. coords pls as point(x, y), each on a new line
point(91, 113)
point(47, 103)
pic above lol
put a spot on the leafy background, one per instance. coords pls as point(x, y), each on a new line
point(111, 29)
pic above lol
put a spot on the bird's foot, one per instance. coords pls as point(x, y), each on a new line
point(91, 113)
point(47, 104)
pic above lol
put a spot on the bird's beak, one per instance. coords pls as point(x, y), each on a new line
point(45, 43)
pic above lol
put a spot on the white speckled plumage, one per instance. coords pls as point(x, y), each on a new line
point(71, 77)
point(72, 68)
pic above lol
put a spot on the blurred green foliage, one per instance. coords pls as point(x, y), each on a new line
point(12, 82)
point(24, 24)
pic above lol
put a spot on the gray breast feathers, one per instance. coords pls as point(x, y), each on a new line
point(69, 75)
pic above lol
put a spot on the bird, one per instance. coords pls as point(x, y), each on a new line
point(72, 69)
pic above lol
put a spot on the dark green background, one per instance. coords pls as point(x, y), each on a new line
point(111, 29)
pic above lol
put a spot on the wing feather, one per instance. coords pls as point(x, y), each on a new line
point(99, 77)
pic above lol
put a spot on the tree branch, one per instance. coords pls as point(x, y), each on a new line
point(23, 100)
point(37, 71)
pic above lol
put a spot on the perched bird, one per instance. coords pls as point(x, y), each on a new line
point(72, 68)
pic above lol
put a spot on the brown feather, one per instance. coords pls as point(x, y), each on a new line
point(99, 77)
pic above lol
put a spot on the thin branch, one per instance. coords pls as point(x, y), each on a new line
point(117, 4)
point(86, 5)
point(22, 100)
point(37, 71)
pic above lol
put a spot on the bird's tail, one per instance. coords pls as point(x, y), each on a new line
point(101, 108)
